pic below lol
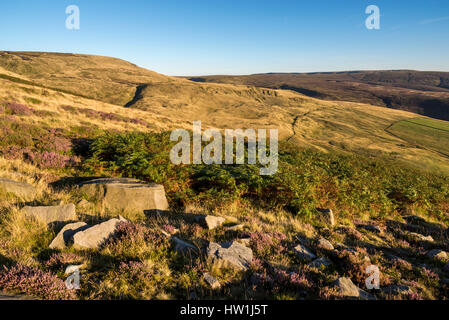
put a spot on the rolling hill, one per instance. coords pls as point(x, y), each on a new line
point(424, 93)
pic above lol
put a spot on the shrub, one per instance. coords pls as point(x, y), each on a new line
point(32, 281)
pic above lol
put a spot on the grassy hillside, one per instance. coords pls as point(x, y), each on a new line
point(100, 117)
point(425, 93)
point(426, 133)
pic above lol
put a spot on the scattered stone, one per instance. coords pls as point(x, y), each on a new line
point(437, 254)
point(211, 222)
point(233, 252)
point(421, 237)
point(325, 244)
point(52, 214)
point(126, 195)
point(65, 236)
point(95, 236)
point(349, 290)
point(371, 227)
point(236, 227)
point(303, 253)
point(327, 216)
point(21, 190)
point(212, 281)
point(84, 204)
point(320, 262)
point(183, 246)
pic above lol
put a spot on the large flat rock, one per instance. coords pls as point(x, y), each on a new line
point(52, 214)
point(21, 190)
point(126, 195)
point(94, 237)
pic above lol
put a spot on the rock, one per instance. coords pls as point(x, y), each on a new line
point(421, 237)
point(126, 195)
point(65, 236)
point(53, 214)
point(303, 253)
point(325, 244)
point(95, 236)
point(183, 246)
point(437, 254)
point(21, 190)
point(212, 281)
point(236, 227)
point(327, 216)
point(320, 262)
point(233, 252)
point(211, 222)
point(349, 290)
point(371, 227)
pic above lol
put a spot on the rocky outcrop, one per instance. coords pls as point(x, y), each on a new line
point(126, 195)
point(21, 190)
point(51, 214)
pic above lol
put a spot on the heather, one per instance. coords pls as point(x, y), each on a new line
point(34, 282)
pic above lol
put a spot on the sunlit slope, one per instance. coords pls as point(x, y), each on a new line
point(48, 82)
point(102, 78)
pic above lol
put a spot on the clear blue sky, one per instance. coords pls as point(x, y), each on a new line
point(198, 37)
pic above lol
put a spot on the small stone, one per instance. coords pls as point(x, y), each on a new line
point(211, 222)
point(303, 253)
point(327, 216)
point(421, 237)
point(325, 244)
point(233, 253)
point(21, 190)
point(183, 246)
point(52, 214)
point(212, 281)
point(66, 234)
point(371, 227)
point(437, 254)
point(72, 268)
point(235, 227)
point(95, 236)
point(349, 290)
point(320, 262)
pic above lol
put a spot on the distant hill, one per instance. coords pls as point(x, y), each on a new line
point(425, 93)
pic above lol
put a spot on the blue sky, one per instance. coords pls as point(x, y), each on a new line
point(197, 37)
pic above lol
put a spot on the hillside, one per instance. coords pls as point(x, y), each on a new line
point(357, 185)
point(425, 93)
